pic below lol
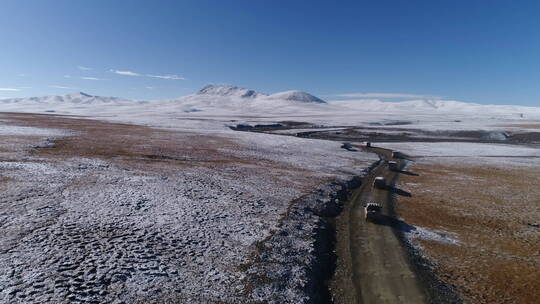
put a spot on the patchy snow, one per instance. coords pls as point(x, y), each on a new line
point(213, 107)
point(296, 96)
point(451, 152)
point(149, 231)
point(461, 149)
point(415, 233)
point(132, 232)
point(30, 131)
point(226, 90)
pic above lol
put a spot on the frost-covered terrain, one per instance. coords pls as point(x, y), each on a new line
point(469, 153)
point(97, 212)
point(109, 200)
point(213, 107)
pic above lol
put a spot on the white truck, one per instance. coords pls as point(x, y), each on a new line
point(379, 182)
point(372, 211)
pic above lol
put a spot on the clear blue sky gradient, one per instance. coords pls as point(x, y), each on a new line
point(478, 51)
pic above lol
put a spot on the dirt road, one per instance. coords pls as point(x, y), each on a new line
point(372, 266)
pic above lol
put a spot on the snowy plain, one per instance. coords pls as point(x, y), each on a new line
point(184, 226)
point(216, 107)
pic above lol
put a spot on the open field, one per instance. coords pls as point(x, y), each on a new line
point(97, 212)
point(105, 211)
point(489, 213)
point(522, 125)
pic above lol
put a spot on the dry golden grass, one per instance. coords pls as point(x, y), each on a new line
point(152, 149)
point(130, 144)
point(525, 126)
point(489, 209)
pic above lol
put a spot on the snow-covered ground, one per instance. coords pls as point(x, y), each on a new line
point(472, 153)
point(184, 210)
point(213, 107)
point(106, 227)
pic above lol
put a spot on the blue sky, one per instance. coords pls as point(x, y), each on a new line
point(478, 51)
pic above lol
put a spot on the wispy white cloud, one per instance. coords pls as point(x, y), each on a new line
point(62, 87)
point(9, 89)
point(387, 95)
point(91, 78)
point(125, 73)
point(83, 68)
point(150, 88)
point(131, 73)
point(84, 77)
point(173, 77)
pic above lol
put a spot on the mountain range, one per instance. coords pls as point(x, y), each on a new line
point(232, 99)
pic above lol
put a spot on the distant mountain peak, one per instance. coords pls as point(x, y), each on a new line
point(227, 90)
point(234, 91)
point(79, 95)
point(296, 96)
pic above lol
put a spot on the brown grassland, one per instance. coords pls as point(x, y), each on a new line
point(523, 125)
point(148, 149)
point(492, 212)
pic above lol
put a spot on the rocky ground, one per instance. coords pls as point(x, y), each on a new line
point(95, 212)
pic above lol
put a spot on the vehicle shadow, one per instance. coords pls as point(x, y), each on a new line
point(406, 172)
point(392, 222)
point(398, 191)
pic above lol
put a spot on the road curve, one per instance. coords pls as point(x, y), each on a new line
point(372, 266)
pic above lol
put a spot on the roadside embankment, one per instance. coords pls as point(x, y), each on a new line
point(293, 264)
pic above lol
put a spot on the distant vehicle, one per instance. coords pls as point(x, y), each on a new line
point(367, 144)
point(398, 155)
point(392, 165)
point(372, 211)
point(379, 182)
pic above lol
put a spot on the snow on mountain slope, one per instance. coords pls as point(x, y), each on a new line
point(217, 106)
point(77, 103)
point(233, 91)
point(226, 99)
point(219, 99)
point(436, 106)
point(296, 96)
point(77, 98)
point(227, 90)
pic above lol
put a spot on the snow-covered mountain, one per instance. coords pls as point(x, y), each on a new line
point(295, 96)
point(434, 107)
point(225, 98)
point(227, 91)
point(214, 91)
point(80, 98)
point(232, 100)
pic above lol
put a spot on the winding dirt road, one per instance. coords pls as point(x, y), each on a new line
point(372, 266)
